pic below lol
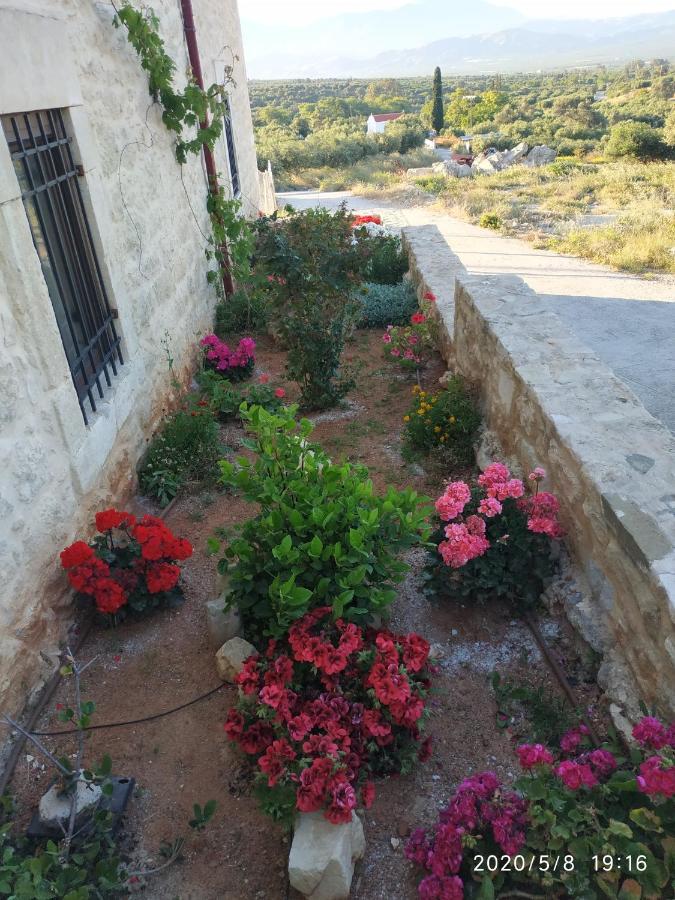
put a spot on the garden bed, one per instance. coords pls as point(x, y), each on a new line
point(144, 667)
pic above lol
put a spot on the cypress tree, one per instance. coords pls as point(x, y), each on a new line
point(437, 112)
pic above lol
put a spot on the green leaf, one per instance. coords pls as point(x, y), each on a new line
point(212, 546)
point(619, 828)
point(355, 539)
point(282, 550)
point(315, 547)
point(646, 819)
point(340, 602)
point(487, 889)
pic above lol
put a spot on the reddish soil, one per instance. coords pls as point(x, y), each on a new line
point(148, 666)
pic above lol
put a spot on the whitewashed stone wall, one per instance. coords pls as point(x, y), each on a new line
point(551, 402)
point(55, 471)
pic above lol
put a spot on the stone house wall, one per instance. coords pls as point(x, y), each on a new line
point(148, 220)
point(550, 401)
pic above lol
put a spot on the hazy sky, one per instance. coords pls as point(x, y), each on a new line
point(315, 10)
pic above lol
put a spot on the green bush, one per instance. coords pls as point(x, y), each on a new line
point(243, 312)
point(185, 448)
point(637, 140)
point(446, 423)
point(224, 399)
point(386, 262)
point(322, 537)
point(386, 304)
point(490, 220)
point(311, 266)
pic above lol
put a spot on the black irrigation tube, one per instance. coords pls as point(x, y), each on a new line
point(50, 687)
point(559, 674)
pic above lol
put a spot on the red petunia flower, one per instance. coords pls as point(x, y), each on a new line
point(417, 318)
point(280, 392)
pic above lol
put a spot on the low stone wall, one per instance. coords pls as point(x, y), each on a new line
point(551, 402)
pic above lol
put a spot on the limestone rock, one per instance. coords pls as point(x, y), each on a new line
point(540, 155)
point(222, 625)
point(321, 862)
point(54, 808)
point(452, 167)
point(231, 657)
point(421, 172)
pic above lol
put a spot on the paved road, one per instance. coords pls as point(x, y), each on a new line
point(628, 321)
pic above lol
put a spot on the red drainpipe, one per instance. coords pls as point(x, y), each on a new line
point(196, 66)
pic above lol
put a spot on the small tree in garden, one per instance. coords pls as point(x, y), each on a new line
point(322, 535)
point(312, 262)
point(495, 540)
point(580, 822)
point(437, 112)
point(326, 710)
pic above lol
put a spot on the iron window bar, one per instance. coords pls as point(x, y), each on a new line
point(41, 153)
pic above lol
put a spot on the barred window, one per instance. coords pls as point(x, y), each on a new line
point(43, 161)
point(231, 149)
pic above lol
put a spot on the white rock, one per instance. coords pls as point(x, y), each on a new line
point(322, 857)
point(540, 155)
point(231, 657)
point(54, 808)
point(452, 167)
point(421, 172)
point(222, 626)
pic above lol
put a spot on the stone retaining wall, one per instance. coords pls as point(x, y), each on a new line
point(551, 402)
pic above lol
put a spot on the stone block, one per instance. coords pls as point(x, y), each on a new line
point(231, 657)
point(54, 808)
point(322, 857)
point(222, 624)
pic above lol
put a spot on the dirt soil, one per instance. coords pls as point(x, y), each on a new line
point(147, 666)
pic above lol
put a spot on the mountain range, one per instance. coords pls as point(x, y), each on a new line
point(399, 42)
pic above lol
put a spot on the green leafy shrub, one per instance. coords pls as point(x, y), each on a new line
point(637, 140)
point(224, 399)
point(446, 422)
point(490, 220)
point(322, 536)
point(386, 304)
point(386, 262)
point(243, 312)
point(312, 265)
point(185, 448)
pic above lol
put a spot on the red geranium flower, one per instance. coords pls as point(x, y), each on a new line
point(76, 554)
point(417, 318)
point(113, 518)
point(280, 392)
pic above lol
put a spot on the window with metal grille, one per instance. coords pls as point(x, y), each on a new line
point(43, 161)
point(231, 149)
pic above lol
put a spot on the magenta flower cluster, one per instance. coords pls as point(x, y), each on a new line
point(481, 804)
point(222, 358)
point(466, 535)
point(657, 773)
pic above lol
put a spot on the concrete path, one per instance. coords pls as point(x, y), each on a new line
point(628, 321)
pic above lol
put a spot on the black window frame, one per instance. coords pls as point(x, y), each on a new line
point(230, 146)
point(41, 151)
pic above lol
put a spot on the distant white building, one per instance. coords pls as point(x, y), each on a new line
point(599, 95)
point(377, 122)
